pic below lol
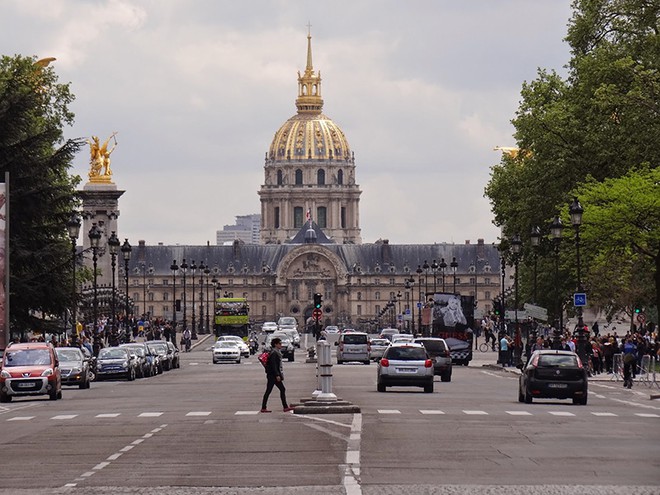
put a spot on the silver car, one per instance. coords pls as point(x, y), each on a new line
point(377, 349)
point(405, 365)
point(226, 351)
point(245, 350)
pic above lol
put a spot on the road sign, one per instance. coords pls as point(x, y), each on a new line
point(579, 299)
point(537, 312)
point(419, 305)
point(317, 314)
point(510, 315)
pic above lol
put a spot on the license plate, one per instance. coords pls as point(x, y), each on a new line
point(25, 385)
point(407, 370)
point(557, 385)
point(353, 350)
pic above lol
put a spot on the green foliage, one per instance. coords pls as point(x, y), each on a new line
point(33, 111)
point(600, 123)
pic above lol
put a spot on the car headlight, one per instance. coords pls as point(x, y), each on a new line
point(47, 372)
point(5, 374)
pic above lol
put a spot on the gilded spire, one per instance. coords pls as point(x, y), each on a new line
point(309, 84)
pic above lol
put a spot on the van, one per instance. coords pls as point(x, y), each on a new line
point(353, 346)
point(30, 369)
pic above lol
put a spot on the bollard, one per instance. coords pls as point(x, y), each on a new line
point(324, 371)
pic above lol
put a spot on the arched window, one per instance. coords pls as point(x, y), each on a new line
point(340, 177)
point(280, 180)
point(320, 177)
point(299, 177)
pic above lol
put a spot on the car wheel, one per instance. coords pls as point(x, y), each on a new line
point(53, 395)
point(380, 387)
point(521, 396)
point(292, 357)
point(5, 398)
point(238, 361)
point(445, 377)
point(428, 388)
point(580, 400)
point(528, 397)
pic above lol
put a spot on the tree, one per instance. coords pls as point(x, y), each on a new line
point(600, 123)
point(33, 111)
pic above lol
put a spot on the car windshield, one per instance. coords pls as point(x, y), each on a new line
point(406, 354)
point(112, 353)
point(380, 342)
point(158, 348)
point(355, 339)
point(433, 345)
point(558, 360)
point(225, 343)
point(69, 354)
point(230, 337)
point(27, 357)
point(138, 350)
point(287, 321)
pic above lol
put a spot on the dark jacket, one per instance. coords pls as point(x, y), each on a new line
point(274, 367)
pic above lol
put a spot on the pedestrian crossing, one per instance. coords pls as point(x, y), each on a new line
point(171, 415)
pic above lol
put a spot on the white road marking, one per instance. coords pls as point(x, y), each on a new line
point(560, 413)
point(350, 480)
point(389, 411)
point(108, 415)
point(199, 413)
point(87, 474)
point(603, 414)
point(245, 413)
point(100, 465)
point(519, 413)
point(21, 418)
point(150, 414)
point(646, 415)
point(476, 413)
point(64, 416)
point(137, 442)
point(431, 411)
point(127, 448)
point(114, 457)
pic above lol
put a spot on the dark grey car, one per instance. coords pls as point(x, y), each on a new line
point(74, 367)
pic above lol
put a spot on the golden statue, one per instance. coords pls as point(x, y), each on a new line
point(99, 158)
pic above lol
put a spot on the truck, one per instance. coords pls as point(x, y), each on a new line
point(453, 320)
point(232, 316)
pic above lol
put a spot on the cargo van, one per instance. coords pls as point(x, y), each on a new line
point(353, 346)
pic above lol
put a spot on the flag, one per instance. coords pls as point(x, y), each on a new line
point(308, 216)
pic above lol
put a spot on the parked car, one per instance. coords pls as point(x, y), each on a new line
point(553, 374)
point(144, 366)
point(113, 362)
point(173, 351)
point(92, 362)
point(377, 348)
point(245, 349)
point(164, 357)
point(438, 351)
point(226, 351)
point(269, 326)
point(74, 366)
point(386, 333)
point(353, 346)
point(287, 350)
point(405, 365)
point(30, 369)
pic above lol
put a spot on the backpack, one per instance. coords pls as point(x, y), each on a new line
point(263, 358)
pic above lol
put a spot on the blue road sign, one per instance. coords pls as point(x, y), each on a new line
point(419, 305)
point(579, 299)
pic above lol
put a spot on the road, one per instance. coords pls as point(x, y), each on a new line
point(196, 430)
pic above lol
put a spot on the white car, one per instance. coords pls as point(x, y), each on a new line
point(245, 350)
point(402, 338)
point(332, 329)
point(226, 351)
point(269, 327)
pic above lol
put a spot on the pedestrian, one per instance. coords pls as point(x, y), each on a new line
point(629, 360)
point(275, 376)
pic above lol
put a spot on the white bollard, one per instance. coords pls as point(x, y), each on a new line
point(324, 371)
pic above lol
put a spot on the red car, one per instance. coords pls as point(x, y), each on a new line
point(30, 369)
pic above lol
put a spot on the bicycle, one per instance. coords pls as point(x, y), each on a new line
point(485, 347)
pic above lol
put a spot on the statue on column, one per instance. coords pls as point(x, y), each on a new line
point(99, 158)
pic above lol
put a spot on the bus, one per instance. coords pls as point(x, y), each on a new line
point(453, 320)
point(232, 316)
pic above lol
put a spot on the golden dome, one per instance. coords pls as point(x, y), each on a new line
point(309, 135)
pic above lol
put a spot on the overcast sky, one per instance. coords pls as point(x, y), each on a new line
point(196, 89)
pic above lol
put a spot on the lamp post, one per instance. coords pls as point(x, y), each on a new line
point(94, 239)
point(214, 281)
point(410, 283)
point(434, 269)
point(207, 272)
point(201, 296)
point(426, 267)
point(399, 315)
point(535, 239)
point(174, 267)
point(73, 226)
point(184, 268)
point(502, 278)
point(454, 266)
point(556, 228)
point(575, 209)
point(443, 269)
point(193, 334)
point(126, 253)
point(113, 246)
point(419, 316)
point(516, 248)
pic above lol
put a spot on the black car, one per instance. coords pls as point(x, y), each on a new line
point(460, 350)
point(144, 367)
point(438, 351)
point(555, 375)
point(165, 356)
point(114, 362)
point(174, 352)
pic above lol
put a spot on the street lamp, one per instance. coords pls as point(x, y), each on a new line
point(126, 253)
point(454, 266)
point(174, 267)
point(214, 281)
point(434, 269)
point(201, 296)
point(184, 268)
point(398, 298)
point(410, 283)
point(193, 334)
point(516, 248)
point(443, 269)
point(73, 226)
point(502, 278)
point(207, 272)
point(556, 228)
point(535, 239)
point(419, 316)
point(113, 246)
point(94, 235)
point(575, 209)
point(426, 267)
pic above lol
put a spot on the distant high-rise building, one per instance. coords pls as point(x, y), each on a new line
point(246, 229)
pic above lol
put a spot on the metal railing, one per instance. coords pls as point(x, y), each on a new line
point(645, 371)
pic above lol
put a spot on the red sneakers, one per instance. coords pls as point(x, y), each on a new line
point(265, 411)
point(288, 409)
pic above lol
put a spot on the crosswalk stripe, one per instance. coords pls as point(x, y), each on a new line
point(64, 416)
point(476, 413)
point(560, 413)
point(603, 414)
point(647, 415)
point(430, 411)
point(245, 413)
point(519, 413)
point(150, 414)
point(389, 411)
point(108, 415)
point(199, 413)
point(21, 418)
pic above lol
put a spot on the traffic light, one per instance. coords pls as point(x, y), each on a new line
point(318, 301)
point(497, 307)
point(638, 310)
